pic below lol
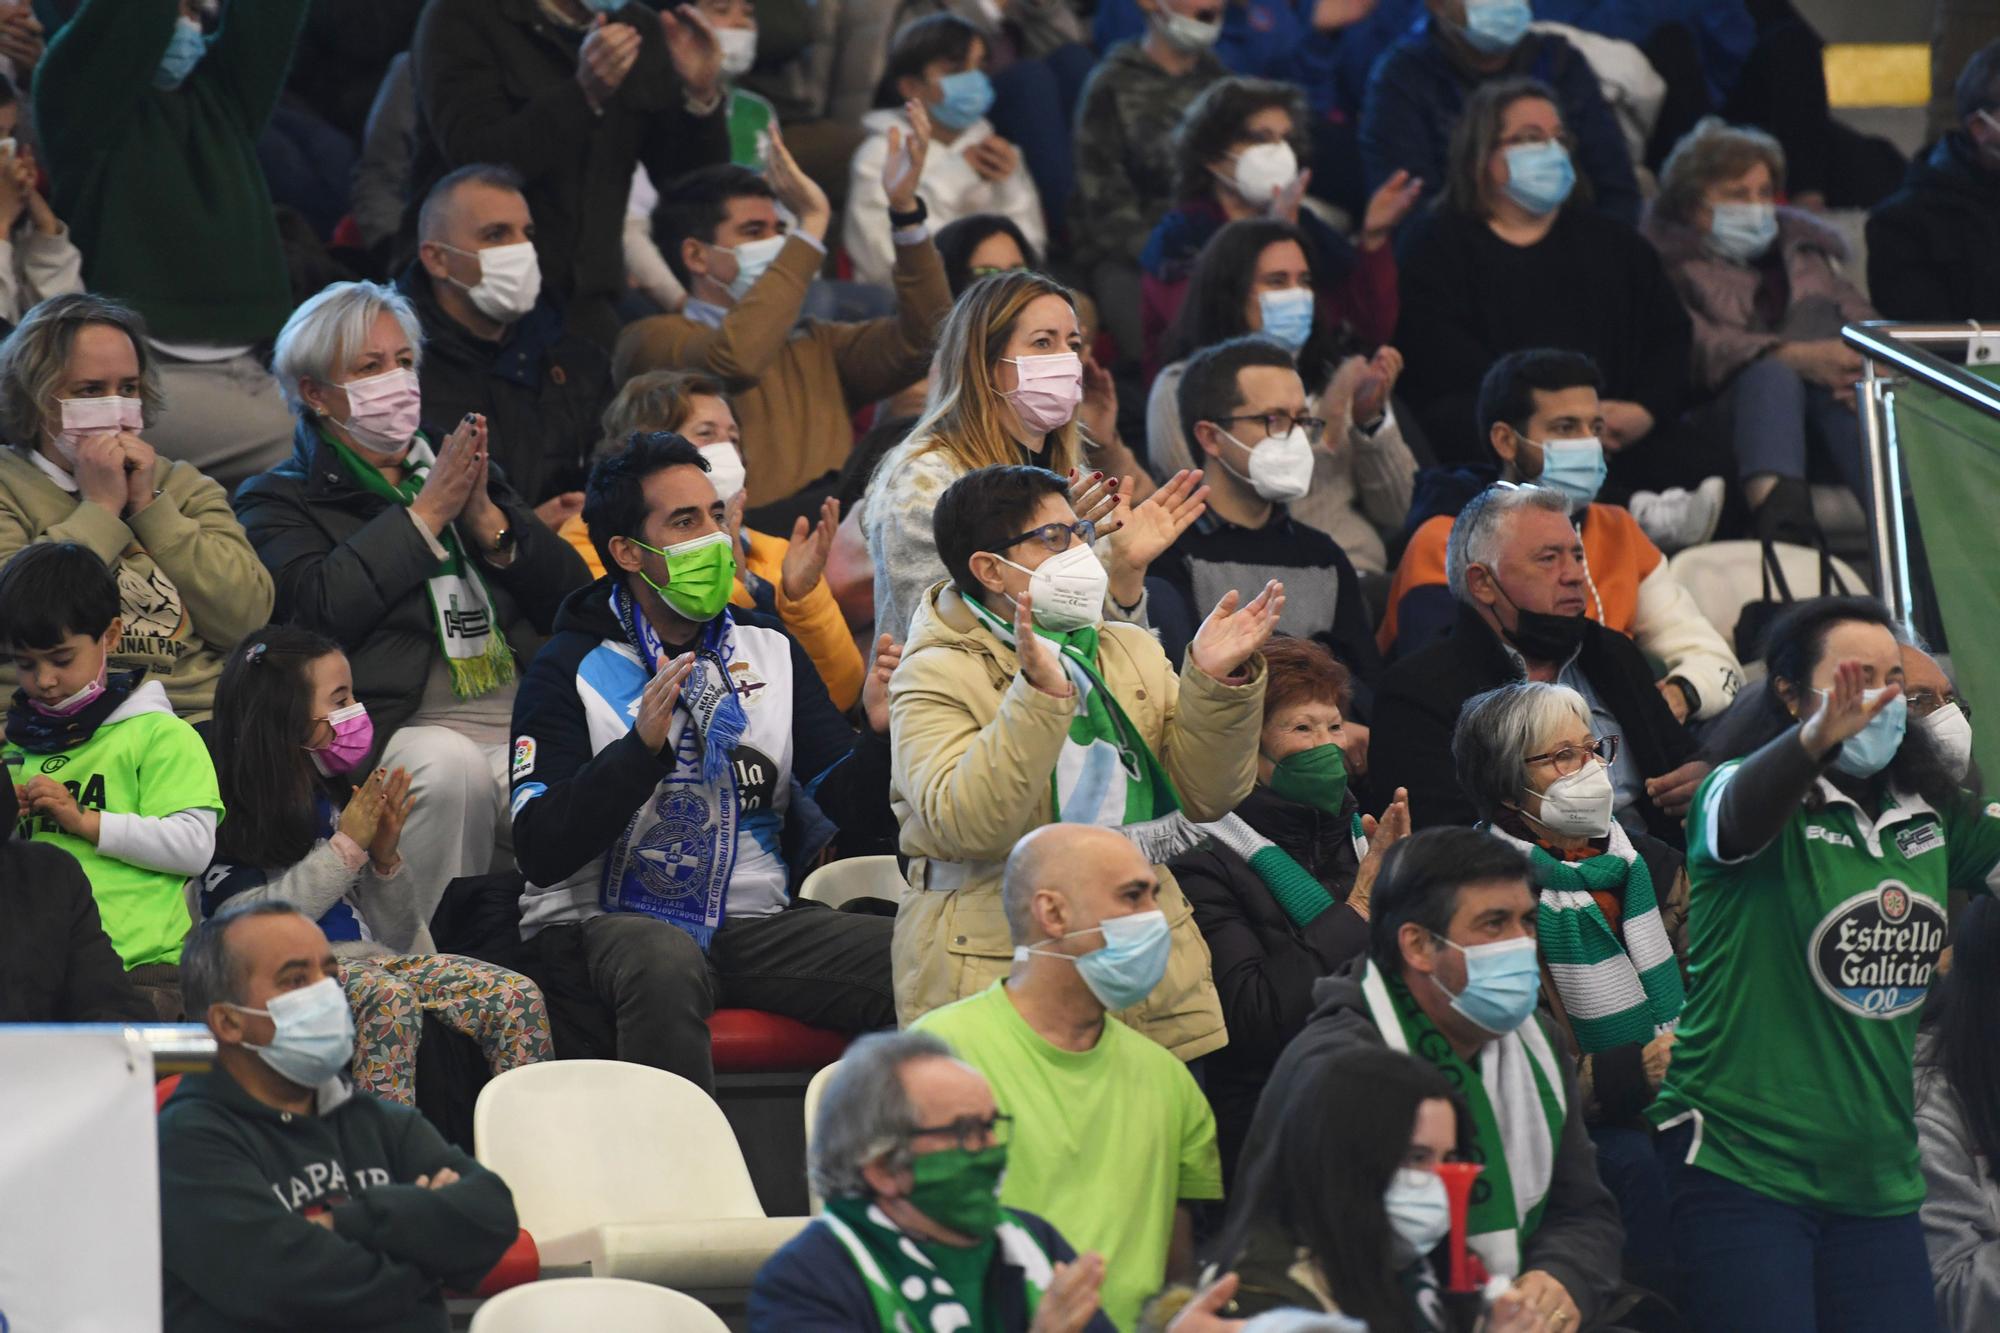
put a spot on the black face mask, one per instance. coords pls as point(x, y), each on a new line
point(1542, 637)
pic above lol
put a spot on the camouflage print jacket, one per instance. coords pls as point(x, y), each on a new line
point(1125, 149)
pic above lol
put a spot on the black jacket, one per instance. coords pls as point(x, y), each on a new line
point(354, 567)
point(541, 390)
point(1580, 1241)
point(1264, 965)
point(1934, 245)
point(56, 963)
point(1418, 707)
point(351, 44)
point(496, 82)
point(240, 1180)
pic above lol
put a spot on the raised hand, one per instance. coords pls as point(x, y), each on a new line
point(794, 189)
point(140, 465)
point(1040, 663)
point(1285, 199)
point(1157, 521)
point(607, 55)
point(454, 473)
point(805, 558)
point(993, 158)
point(903, 168)
point(1231, 635)
point(1377, 382)
point(875, 689)
point(1072, 1298)
point(656, 701)
point(1094, 496)
point(99, 470)
point(1843, 711)
point(1097, 413)
point(692, 46)
point(1388, 206)
point(396, 806)
point(1383, 833)
point(362, 814)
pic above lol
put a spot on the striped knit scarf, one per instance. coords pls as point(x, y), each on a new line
point(1616, 994)
point(1301, 895)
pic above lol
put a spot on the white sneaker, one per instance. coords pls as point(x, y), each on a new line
point(1675, 518)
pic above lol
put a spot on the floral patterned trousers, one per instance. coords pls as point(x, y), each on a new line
point(501, 1010)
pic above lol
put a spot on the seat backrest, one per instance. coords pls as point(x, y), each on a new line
point(600, 1304)
point(1723, 577)
point(582, 1143)
point(839, 882)
point(814, 1091)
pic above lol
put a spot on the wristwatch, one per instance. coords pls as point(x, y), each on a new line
point(1688, 692)
point(503, 541)
point(914, 218)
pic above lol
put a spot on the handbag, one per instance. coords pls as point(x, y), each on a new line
point(1753, 623)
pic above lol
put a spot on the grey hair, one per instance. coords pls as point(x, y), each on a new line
point(34, 361)
point(1500, 728)
point(210, 973)
point(1476, 534)
point(865, 1114)
point(430, 218)
point(324, 333)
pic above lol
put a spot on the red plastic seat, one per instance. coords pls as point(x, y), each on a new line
point(750, 1041)
point(518, 1267)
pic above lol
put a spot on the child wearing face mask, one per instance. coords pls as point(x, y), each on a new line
point(310, 831)
point(101, 767)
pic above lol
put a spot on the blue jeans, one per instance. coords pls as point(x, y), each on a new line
point(1780, 422)
point(1034, 108)
point(1761, 1266)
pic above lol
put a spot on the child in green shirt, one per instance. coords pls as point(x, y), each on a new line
point(101, 766)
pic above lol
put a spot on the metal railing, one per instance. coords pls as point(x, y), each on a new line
point(1884, 345)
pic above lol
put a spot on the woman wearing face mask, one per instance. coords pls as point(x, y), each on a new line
point(1255, 276)
point(420, 560)
point(1280, 890)
point(1513, 257)
point(77, 388)
point(1010, 385)
point(311, 827)
point(1762, 284)
point(1237, 153)
point(1821, 851)
point(1611, 926)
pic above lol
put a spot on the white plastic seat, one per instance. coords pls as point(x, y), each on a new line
point(814, 1091)
point(1724, 577)
point(600, 1304)
point(629, 1169)
point(839, 882)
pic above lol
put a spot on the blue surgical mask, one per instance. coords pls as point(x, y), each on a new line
point(1493, 26)
point(315, 1033)
point(1742, 231)
point(1866, 754)
point(1130, 964)
point(605, 6)
point(1287, 315)
point(1574, 467)
point(1418, 1207)
point(184, 51)
point(1503, 981)
point(752, 259)
point(1539, 175)
point(968, 95)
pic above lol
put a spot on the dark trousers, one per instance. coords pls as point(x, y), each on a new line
point(1675, 453)
point(811, 963)
point(1761, 1266)
point(1631, 1170)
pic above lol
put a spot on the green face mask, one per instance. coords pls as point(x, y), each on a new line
point(1315, 777)
point(960, 1189)
point(700, 574)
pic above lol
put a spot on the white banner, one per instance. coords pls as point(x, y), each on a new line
point(79, 1183)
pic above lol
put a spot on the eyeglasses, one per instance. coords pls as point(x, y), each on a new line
point(1280, 423)
point(972, 1132)
point(1925, 702)
point(1571, 758)
point(1054, 537)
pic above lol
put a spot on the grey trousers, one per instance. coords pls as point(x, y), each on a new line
point(226, 418)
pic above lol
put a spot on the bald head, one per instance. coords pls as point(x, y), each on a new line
point(1067, 877)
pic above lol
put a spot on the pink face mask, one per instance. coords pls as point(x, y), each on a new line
point(383, 410)
point(96, 416)
point(353, 738)
point(1050, 388)
point(79, 701)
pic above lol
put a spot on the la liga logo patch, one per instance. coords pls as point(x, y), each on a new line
point(1873, 955)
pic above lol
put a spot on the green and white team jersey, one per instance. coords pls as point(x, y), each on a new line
point(1808, 962)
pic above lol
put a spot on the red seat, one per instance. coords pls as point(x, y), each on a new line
point(750, 1041)
point(518, 1267)
point(163, 1090)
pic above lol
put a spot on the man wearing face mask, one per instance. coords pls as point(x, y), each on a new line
point(1113, 1139)
point(746, 270)
point(1420, 86)
point(1245, 406)
point(495, 345)
point(677, 769)
point(1937, 707)
point(1539, 410)
point(1517, 569)
point(1451, 977)
point(287, 1198)
point(908, 1150)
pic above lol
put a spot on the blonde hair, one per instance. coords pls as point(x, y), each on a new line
point(654, 400)
point(964, 414)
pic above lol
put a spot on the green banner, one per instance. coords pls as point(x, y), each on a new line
point(1952, 453)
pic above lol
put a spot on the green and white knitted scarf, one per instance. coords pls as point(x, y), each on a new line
point(1615, 993)
point(1106, 774)
point(910, 1294)
point(461, 607)
point(1301, 896)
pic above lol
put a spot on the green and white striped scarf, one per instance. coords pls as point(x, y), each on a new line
point(910, 1294)
point(1301, 896)
point(1616, 994)
point(1106, 774)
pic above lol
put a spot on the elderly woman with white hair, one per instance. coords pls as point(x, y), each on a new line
point(79, 392)
point(1611, 914)
point(420, 561)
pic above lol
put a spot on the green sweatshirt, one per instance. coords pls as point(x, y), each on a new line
point(239, 1181)
point(161, 188)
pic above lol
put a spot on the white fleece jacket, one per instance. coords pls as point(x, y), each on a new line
point(949, 187)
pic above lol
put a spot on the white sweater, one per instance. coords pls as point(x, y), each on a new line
point(950, 189)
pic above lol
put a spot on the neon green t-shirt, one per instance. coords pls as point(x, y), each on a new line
point(1106, 1141)
point(1808, 963)
point(149, 764)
